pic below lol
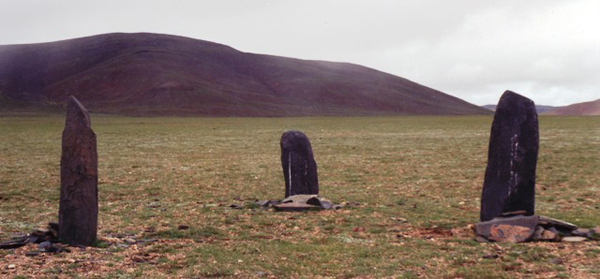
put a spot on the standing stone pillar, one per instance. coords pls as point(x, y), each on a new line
point(299, 166)
point(78, 210)
point(509, 183)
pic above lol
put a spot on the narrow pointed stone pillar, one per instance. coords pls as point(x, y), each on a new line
point(299, 166)
point(78, 210)
point(509, 183)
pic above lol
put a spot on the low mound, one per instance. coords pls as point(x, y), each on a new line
point(151, 74)
point(587, 108)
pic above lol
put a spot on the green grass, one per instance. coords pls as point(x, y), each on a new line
point(416, 180)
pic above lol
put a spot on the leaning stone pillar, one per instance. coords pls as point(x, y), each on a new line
point(78, 210)
point(509, 184)
point(299, 166)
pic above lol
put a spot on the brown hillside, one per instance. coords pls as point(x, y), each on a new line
point(151, 74)
point(587, 108)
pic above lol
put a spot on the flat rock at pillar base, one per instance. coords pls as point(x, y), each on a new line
point(510, 233)
point(480, 238)
point(573, 239)
point(12, 244)
point(514, 213)
point(550, 235)
point(542, 234)
point(264, 203)
point(484, 228)
point(582, 232)
point(310, 200)
point(531, 228)
point(558, 224)
point(294, 206)
point(299, 198)
point(299, 203)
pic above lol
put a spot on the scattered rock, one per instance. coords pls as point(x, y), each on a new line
point(138, 259)
point(130, 241)
point(32, 254)
point(11, 266)
point(12, 244)
point(400, 219)
point(556, 261)
point(154, 204)
point(582, 232)
point(236, 206)
point(491, 256)
point(574, 239)
point(263, 203)
point(45, 245)
point(183, 227)
point(537, 235)
point(480, 238)
point(549, 235)
point(145, 241)
point(358, 229)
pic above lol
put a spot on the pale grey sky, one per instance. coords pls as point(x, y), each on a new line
point(546, 50)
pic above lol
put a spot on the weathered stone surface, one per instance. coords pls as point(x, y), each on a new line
point(484, 228)
point(299, 166)
point(78, 210)
point(510, 233)
point(509, 183)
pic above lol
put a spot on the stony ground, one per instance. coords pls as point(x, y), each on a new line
point(411, 185)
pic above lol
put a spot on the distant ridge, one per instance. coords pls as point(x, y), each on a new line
point(587, 108)
point(153, 74)
point(540, 109)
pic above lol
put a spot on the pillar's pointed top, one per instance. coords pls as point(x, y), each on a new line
point(510, 96)
point(77, 114)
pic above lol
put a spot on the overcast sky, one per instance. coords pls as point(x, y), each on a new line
point(546, 50)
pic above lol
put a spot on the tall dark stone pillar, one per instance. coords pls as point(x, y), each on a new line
point(78, 210)
point(299, 166)
point(509, 183)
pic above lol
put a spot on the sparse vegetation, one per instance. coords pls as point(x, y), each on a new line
point(413, 184)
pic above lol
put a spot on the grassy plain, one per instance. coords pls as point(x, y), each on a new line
point(413, 183)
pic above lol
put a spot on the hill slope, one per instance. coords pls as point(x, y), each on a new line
point(151, 74)
point(539, 108)
point(587, 108)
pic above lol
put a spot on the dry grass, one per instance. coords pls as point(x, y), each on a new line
point(159, 173)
